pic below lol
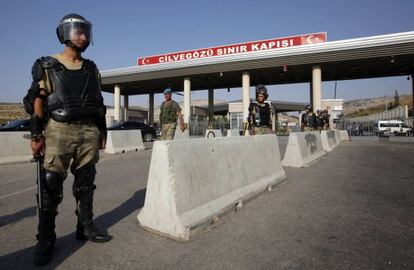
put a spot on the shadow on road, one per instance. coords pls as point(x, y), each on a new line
point(25, 213)
point(67, 245)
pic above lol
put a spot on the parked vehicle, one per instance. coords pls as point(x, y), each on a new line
point(396, 127)
point(17, 125)
point(148, 133)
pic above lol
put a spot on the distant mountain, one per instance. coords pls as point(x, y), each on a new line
point(12, 111)
point(362, 107)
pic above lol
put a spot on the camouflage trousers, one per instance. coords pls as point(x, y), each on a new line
point(168, 131)
point(66, 142)
point(262, 130)
point(308, 129)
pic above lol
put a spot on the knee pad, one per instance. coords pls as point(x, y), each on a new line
point(52, 187)
point(84, 180)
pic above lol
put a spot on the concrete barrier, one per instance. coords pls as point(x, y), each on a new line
point(122, 141)
point(213, 133)
point(303, 149)
point(233, 132)
point(343, 135)
point(15, 147)
point(329, 140)
point(179, 135)
point(192, 183)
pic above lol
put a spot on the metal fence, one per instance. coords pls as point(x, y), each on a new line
point(198, 126)
point(397, 113)
point(367, 127)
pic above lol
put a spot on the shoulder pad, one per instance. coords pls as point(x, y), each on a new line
point(48, 62)
point(89, 65)
point(37, 71)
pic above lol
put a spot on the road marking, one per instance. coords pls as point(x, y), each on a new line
point(18, 192)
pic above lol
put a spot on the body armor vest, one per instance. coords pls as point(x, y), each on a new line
point(319, 121)
point(76, 95)
point(260, 115)
point(309, 120)
point(168, 113)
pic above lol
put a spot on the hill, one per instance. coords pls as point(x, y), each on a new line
point(363, 107)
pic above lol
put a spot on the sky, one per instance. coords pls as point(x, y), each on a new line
point(126, 30)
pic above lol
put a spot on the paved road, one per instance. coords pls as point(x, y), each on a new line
point(354, 209)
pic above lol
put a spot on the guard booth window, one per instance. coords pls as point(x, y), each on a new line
point(236, 120)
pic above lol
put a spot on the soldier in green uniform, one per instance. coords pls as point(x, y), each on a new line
point(260, 120)
point(170, 111)
point(68, 127)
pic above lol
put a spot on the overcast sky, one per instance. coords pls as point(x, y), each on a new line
point(125, 30)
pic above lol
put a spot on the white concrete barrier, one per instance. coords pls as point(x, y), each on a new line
point(179, 135)
point(191, 183)
point(344, 135)
point(233, 133)
point(329, 140)
point(15, 147)
point(303, 149)
point(122, 141)
point(213, 133)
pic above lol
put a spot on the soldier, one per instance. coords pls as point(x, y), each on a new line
point(260, 121)
point(319, 120)
point(169, 112)
point(308, 119)
point(68, 117)
point(326, 116)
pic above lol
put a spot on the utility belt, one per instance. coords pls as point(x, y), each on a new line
point(167, 122)
point(87, 121)
point(257, 125)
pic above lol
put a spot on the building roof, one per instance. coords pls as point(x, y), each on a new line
point(367, 57)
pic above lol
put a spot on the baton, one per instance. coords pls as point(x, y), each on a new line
point(39, 161)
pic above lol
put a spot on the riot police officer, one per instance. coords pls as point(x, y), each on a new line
point(68, 117)
point(308, 119)
point(320, 120)
point(326, 117)
point(260, 120)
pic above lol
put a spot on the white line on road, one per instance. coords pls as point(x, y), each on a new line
point(17, 192)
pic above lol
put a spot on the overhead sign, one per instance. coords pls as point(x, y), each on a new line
point(253, 46)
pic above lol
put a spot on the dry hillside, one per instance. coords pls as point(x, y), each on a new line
point(362, 107)
point(12, 111)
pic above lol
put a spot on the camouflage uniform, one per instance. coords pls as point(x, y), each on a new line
point(66, 141)
point(168, 119)
point(308, 121)
point(260, 118)
point(66, 95)
point(262, 130)
point(77, 140)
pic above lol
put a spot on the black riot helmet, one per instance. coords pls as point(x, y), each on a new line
point(72, 25)
point(261, 89)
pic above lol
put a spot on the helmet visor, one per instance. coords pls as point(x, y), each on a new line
point(77, 30)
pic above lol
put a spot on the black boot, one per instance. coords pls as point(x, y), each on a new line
point(51, 197)
point(46, 239)
point(91, 233)
point(83, 191)
point(80, 233)
point(43, 252)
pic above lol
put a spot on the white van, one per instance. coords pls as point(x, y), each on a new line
point(396, 127)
